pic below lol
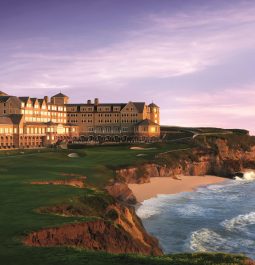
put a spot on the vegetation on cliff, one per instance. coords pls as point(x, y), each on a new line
point(28, 208)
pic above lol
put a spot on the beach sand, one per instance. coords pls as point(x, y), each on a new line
point(169, 185)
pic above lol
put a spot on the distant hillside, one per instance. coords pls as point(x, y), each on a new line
point(175, 132)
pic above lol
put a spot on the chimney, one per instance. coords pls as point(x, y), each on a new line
point(89, 101)
point(96, 101)
point(46, 99)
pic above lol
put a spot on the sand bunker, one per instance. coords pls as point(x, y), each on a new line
point(73, 155)
point(141, 148)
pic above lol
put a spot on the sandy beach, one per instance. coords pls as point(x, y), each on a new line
point(169, 185)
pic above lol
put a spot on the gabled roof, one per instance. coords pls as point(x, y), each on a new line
point(3, 94)
point(95, 107)
point(36, 123)
point(4, 98)
point(24, 99)
point(5, 120)
point(51, 123)
point(101, 104)
point(139, 106)
point(16, 118)
point(33, 100)
point(146, 122)
point(41, 100)
point(153, 105)
point(60, 95)
point(11, 119)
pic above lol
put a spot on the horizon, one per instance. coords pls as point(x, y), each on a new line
point(194, 59)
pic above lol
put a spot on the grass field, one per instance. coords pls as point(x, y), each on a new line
point(20, 199)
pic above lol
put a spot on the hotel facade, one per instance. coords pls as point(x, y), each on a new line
point(31, 122)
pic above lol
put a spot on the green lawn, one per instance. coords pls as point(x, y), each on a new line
point(20, 199)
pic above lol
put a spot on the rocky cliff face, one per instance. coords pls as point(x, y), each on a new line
point(120, 232)
point(217, 158)
point(118, 229)
point(121, 192)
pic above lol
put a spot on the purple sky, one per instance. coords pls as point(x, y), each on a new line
point(194, 58)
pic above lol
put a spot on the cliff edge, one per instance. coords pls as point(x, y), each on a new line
point(115, 226)
point(220, 156)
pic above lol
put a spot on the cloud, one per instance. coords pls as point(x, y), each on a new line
point(229, 108)
point(163, 46)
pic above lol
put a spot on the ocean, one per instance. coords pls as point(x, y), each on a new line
point(215, 218)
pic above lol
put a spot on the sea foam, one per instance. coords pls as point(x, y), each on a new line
point(206, 240)
point(247, 176)
point(240, 221)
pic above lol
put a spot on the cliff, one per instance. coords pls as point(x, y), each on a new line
point(115, 227)
point(118, 230)
point(211, 156)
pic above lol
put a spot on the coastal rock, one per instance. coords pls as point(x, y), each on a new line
point(119, 229)
point(215, 157)
point(138, 174)
point(122, 233)
point(121, 192)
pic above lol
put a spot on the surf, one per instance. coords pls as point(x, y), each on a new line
point(246, 176)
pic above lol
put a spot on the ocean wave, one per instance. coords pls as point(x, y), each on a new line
point(214, 187)
point(240, 221)
point(217, 189)
point(159, 204)
point(145, 213)
point(192, 210)
point(206, 240)
point(247, 176)
point(151, 207)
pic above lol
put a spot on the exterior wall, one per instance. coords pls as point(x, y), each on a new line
point(129, 117)
point(45, 123)
point(154, 115)
point(45, 112)
point(148, 130)
point(59, 100)
point(11, 106)
point(103, 119)
point(6, 136)
point(34, 135)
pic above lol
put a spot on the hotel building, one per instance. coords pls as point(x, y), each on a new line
point(30, 122)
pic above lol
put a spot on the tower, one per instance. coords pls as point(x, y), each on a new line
point(154, 113)
point(59, 99)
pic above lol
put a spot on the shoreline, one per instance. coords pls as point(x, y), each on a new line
point(170, 185)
